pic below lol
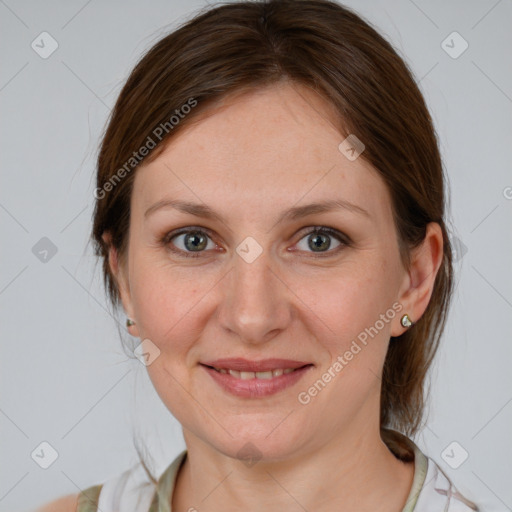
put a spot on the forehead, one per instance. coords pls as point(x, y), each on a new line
point(268, 148)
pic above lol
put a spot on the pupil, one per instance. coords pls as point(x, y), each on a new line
point(194, 241)
point(319, 241)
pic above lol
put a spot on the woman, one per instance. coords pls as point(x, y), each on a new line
point(270, 213)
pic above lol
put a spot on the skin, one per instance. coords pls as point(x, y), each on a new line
point(63, 504)
point(259, 154)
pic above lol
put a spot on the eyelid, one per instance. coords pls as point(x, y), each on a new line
point(336, 233)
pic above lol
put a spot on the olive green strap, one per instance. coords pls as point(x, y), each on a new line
point(155, 504)
point(420, 472)
point(88, 499)
point(165, 488)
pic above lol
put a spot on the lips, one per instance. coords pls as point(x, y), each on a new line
point(256, 379)
point(246, 366)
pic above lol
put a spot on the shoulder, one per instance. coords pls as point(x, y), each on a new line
point(68, 503)
point(85, 501)
point(432, 489)
point(439, 493)
point(129, 491)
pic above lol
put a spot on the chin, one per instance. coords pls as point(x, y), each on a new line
point(263, 444)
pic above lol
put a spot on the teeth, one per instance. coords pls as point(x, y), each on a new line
point(256, 375)
point(264, 375)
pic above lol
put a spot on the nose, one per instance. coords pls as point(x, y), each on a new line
point(256, 303)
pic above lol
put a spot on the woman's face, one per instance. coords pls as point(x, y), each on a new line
point(253, 283)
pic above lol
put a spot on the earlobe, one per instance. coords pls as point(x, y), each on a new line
point(420, 279)
point(118, 273)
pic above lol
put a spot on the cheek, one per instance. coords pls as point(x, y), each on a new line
point(165, 299)
point(347, 301)
point(354, 314)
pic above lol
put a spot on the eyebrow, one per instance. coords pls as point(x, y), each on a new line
point(294, 213)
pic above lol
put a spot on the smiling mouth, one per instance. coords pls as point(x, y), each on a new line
point(265, 375)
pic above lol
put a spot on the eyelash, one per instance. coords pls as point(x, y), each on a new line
point(342, 238)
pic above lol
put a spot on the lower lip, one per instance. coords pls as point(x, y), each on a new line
point(255, 388)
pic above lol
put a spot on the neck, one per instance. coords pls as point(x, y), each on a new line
point(352, 472)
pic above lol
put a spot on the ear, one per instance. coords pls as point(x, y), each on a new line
point(418, 283)
point(120, 274)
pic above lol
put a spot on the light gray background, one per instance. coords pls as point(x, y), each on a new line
point(65, 378)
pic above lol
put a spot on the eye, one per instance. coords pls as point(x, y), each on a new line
point(194, 240)
point(191, 242)
point(318, 240)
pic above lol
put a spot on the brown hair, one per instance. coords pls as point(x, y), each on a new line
point(322, 45)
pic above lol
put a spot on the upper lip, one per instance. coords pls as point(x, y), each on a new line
point(244, 365)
